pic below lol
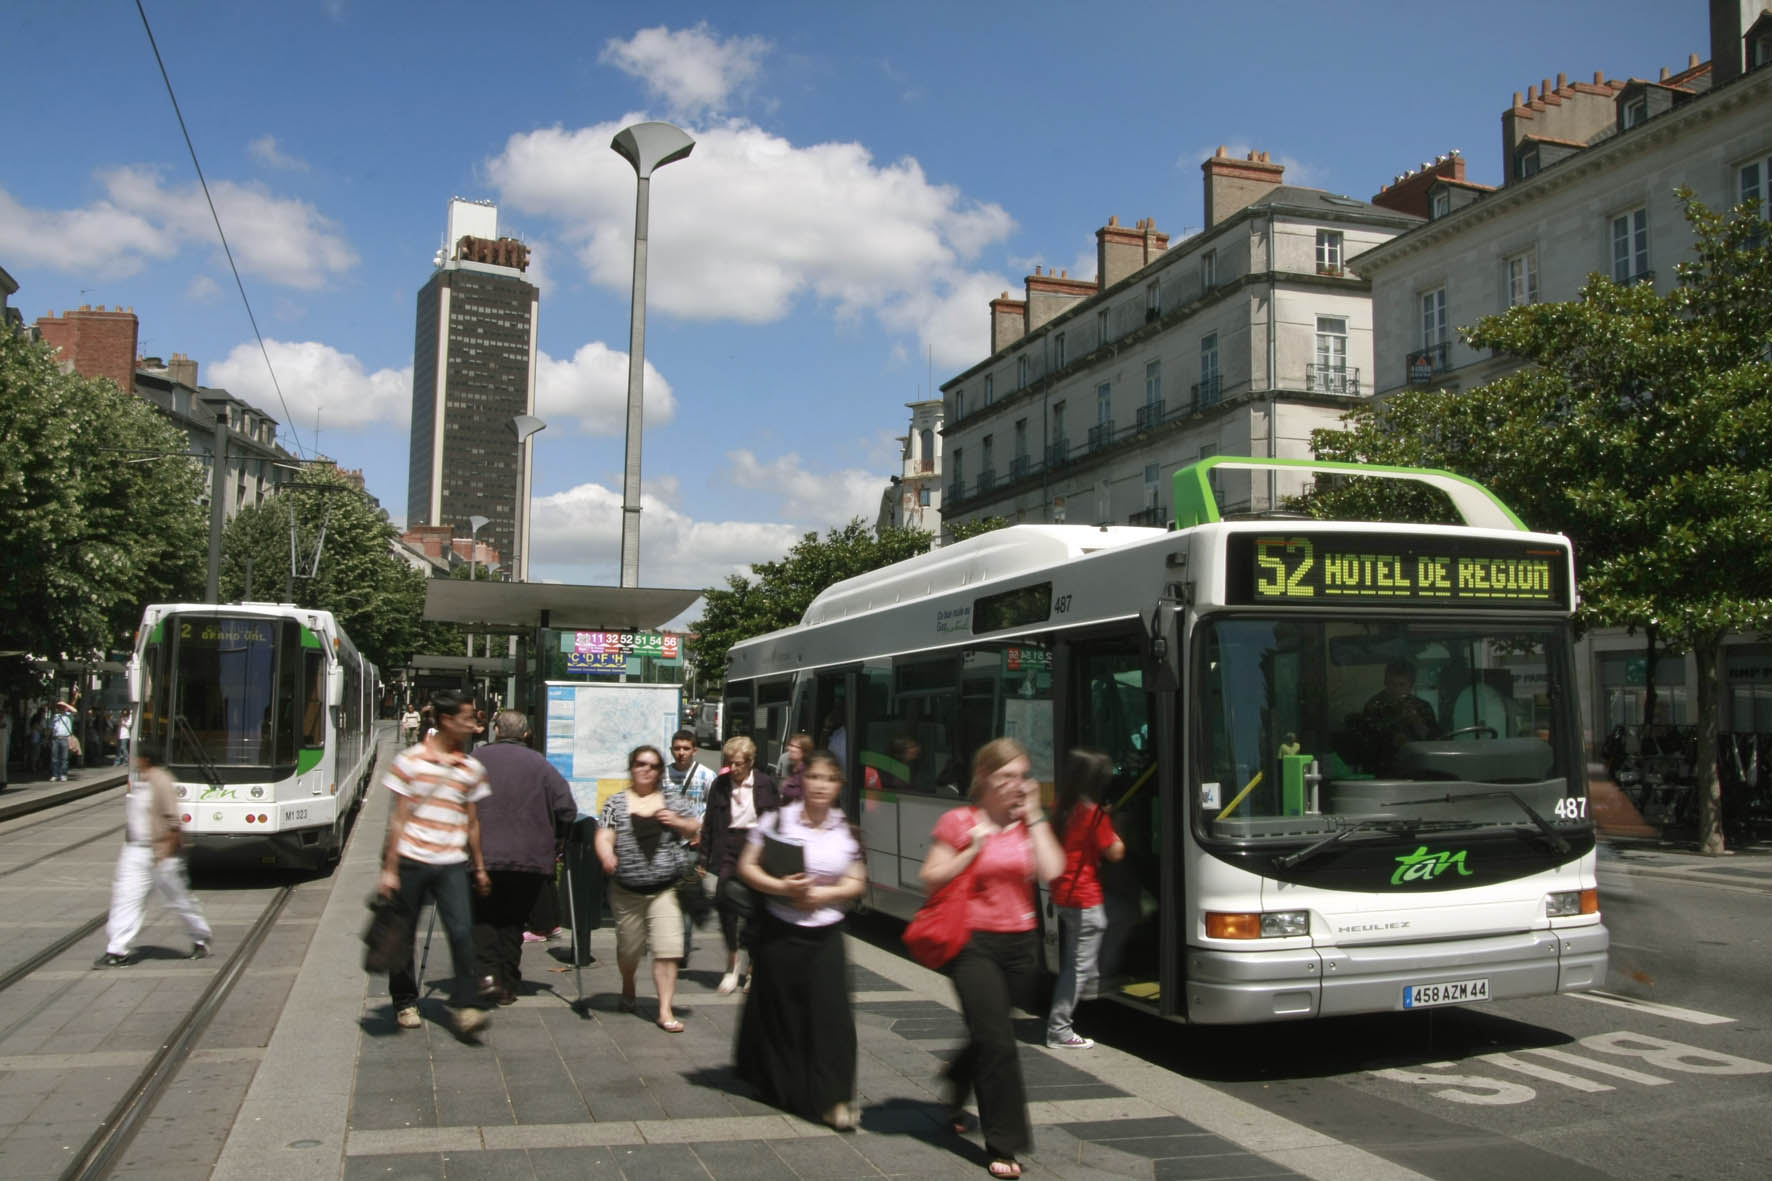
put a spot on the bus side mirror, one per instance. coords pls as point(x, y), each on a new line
point(135, 680)
point(1164, 638)
point(335, 685)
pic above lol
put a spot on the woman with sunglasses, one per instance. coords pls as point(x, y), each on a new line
point(1006, 843)
point(639, 841)
point(740, 797)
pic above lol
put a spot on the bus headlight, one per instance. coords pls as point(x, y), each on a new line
point(1571, 902)
point(1268, 925)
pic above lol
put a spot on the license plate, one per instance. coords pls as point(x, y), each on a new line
point(1451, 992)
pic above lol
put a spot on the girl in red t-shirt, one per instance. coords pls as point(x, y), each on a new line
point(1089, 838)
point(1005, 840)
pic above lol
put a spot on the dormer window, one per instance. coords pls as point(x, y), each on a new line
point(1636, 111)
point(1439, 204)
point(1526, 162)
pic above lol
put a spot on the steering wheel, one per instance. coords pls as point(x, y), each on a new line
point(1479, 728)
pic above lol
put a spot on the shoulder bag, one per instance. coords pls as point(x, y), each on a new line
point(938, 931)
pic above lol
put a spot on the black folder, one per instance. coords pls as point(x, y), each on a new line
point(782, 859)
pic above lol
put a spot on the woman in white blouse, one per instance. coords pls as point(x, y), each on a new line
point(796, 1042)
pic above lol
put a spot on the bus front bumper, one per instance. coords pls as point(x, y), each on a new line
point(1230, 988)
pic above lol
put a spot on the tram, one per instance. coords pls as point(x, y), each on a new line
point(263, 713)
point(1290, 853)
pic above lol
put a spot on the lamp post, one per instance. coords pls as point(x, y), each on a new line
point(522, 425)
point(475, 524)
point(648, 147)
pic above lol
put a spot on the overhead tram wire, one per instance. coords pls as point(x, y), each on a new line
point(226, 249)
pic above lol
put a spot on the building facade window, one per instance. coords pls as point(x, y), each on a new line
point(1058, 435)
point(1021, 372)
point(1440, 204)
point(1755, 178)
point(1058, 350)
point(1433, 318)
point(1330, 374)
point(1630, 246)
point(1153, 302)
point(926, 449)
point(1526, 162)
point(1150, 485)
point(1101, 327)
point(959, 404)
point(1207, 391)
point(990, 390)
point(1522, 278)
point(1328, 252)
point(1104, 403)
point(1208, 271)
point(1153, 383)
point(957, 461)
point(923, 496)
point(1018, 465)
point(1636, 111)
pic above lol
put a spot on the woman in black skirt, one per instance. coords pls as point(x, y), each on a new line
point(796, 1043)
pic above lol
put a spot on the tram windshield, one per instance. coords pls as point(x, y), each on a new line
point(232, 691)
point(1313, 726)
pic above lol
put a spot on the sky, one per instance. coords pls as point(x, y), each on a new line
point(866, 177)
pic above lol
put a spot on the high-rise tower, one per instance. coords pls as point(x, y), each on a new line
point(473, 369)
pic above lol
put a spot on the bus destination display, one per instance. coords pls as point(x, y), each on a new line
point(1364, 569)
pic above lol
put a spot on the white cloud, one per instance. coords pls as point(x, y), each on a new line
point(692, 70)
point(141, 219)
point(751, 223)
point(266, 151)
point(577, 536)
point(202, 288)
point(315, 378)
point(592, 388)
point(820, 498)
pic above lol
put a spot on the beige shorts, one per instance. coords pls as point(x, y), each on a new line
point(645, 921)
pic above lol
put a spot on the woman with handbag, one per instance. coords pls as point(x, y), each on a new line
point(796, 1042)
point(1005, 844)
point(740, 797)
point(639, 842)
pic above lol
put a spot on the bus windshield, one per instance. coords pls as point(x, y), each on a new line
point(233, 693)
point(1312, 725)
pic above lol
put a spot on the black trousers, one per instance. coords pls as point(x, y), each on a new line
point(994, 972)
point(499, 918)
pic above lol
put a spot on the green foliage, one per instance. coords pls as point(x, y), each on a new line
point(1641, 427)
point(778, 593)
point(377, 597)
point(962, 530)
point(99, 508)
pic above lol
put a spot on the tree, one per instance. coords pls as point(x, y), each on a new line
point(378, 599)
point(1641, 427)
point(964, 530)
point(100, 508)
point(778, 593)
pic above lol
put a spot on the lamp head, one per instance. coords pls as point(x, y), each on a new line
point(650, 146)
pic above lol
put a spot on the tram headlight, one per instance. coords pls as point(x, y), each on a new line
point(1571, 902)
point(1269, 925)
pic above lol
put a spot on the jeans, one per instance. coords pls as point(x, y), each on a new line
point(447, 886)
point(122, 758)
point(1079, 935)
point(58, 757)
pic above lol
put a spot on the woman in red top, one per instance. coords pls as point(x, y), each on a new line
point(1006, 843)
point(1089, 839)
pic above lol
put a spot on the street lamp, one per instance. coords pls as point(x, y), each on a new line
point(648, 147)
point(522, 425)
point(475, 524)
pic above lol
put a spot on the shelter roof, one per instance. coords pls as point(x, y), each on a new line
point(524, 606)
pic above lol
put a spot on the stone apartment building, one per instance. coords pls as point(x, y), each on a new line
point(1240, 340)
point(913, 497)
point(1592, 168)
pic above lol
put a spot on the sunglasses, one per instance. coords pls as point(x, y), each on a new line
point(647, 766)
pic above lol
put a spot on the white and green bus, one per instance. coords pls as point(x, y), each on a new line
point(1301, 840)
point(264, 715)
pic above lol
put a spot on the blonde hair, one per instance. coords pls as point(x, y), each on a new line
point(739, 745)
point(992, 757)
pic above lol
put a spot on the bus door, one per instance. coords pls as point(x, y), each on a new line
point(1109, 707)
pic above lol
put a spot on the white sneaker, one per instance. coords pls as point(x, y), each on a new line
point(1071, 1041)
point(728, 984)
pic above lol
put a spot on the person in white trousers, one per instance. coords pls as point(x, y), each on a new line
point(150, 861)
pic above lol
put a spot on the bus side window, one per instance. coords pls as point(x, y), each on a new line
point(313, 730)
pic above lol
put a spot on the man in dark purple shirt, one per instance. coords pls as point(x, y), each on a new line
point(530, 804)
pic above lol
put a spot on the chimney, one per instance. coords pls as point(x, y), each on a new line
point(1409, 192)
point(94, 342)
point(1009, 322)
point(1232, 184)
point(1120, 251)
point(1729, 23)
point(182, 370)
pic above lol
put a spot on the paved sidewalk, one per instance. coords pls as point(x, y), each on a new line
point(27, 793)
point(560, 1091)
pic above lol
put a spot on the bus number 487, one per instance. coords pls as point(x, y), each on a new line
point(1572, 808)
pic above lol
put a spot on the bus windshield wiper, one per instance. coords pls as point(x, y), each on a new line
point(1551, 836)
point(1363, 827)
point(205, 764)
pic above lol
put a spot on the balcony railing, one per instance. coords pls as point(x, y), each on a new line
point(1058, 453)
point(925, 466)
point(987, 479)
point(956, 492)
point(1148, 516)
point(1640, 277)
point(1150, 414)
point(1101, 434)
point(1205, 392)
point(1331, 379)
point(1018, 467)
point(1422, 364)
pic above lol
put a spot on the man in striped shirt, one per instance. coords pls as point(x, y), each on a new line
point(432, 837)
